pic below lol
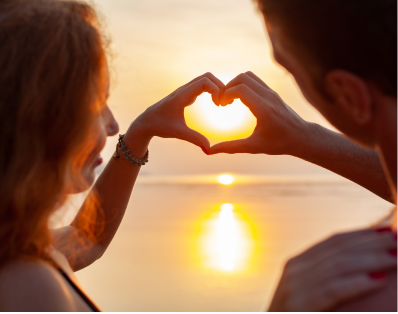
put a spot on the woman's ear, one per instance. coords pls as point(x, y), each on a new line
point(350, 92)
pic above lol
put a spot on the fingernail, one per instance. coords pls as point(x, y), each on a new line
point(383, 229)
point(377, 275)
point(395, 236)
point(393, 252)
point(205, 151)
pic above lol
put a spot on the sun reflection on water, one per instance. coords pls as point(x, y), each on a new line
point(227, 237)
point(226, 240)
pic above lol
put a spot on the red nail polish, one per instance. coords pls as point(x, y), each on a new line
point(377, 275)
point(205, 151)
point(393, 252)
point(395, 236)
point(383, 229)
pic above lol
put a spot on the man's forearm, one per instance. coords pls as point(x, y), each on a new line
point(333, 151)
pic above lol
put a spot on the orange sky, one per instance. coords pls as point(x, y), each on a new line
point(160, 45)
point(187, 242)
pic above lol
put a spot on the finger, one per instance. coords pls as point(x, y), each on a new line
point(372, 240)
point(385, 241)
point(257, 79)
point(377, 252)
point(215, 80)
point(325, 244)
point(231, 147)
point(354, 263)
point(366, 239)
point(187, 95)
point(249, 98)
point(339, 290)
point(245, 79)
point(194, 137)
point(212, 78)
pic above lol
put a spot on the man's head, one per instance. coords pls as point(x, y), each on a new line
point(343, 55)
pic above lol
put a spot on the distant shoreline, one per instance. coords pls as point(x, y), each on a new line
point(241, 179)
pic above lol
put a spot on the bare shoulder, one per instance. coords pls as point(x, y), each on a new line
point(33, 286)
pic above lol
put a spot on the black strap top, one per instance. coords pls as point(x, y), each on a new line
point(85, 298)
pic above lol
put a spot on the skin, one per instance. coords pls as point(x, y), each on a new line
point(280, 131)
point(35, 285)
point(115, 184)
point(366, 155)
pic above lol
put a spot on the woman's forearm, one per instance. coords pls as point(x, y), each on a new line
point(336, 153)
point(111, 191)
point(95, 226)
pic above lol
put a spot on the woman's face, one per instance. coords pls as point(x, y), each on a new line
point(105, 125)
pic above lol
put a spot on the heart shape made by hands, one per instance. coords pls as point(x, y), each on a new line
point(275, 127)
point(220, 123)
point(272, 127)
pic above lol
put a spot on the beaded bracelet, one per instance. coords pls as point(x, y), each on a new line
point(123, 147)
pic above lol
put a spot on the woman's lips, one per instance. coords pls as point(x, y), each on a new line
point(98, 161)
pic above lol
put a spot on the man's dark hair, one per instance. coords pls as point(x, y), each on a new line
point(359, 36)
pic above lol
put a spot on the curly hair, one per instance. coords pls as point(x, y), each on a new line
point(52, 77)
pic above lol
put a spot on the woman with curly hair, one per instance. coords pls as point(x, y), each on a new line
point(55, 120)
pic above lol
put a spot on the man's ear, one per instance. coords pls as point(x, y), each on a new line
point(350, 92)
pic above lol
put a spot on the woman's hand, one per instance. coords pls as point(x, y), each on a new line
point(279, 129)
point(337, 270)
point(166, 117)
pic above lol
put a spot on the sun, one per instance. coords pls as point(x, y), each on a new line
point(220, 123)
point(224, 118)
point(225, 179)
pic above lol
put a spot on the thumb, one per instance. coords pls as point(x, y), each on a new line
point(231, 147)
point(194, 137)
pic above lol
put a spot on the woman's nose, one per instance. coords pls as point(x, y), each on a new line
point(112, 126)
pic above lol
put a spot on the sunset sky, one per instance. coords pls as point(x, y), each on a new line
point(191, 240)
point(159, 45)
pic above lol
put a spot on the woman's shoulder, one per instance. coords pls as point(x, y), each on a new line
point(27, 285)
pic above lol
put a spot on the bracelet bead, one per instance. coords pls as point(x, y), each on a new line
point(133, 160)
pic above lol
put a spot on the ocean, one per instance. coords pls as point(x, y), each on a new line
point(189, 243)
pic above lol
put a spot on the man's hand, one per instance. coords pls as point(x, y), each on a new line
point(279, 129)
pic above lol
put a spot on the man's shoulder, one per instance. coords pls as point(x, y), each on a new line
point(32, 285)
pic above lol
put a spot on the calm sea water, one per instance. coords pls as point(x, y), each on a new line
point(180, 249)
